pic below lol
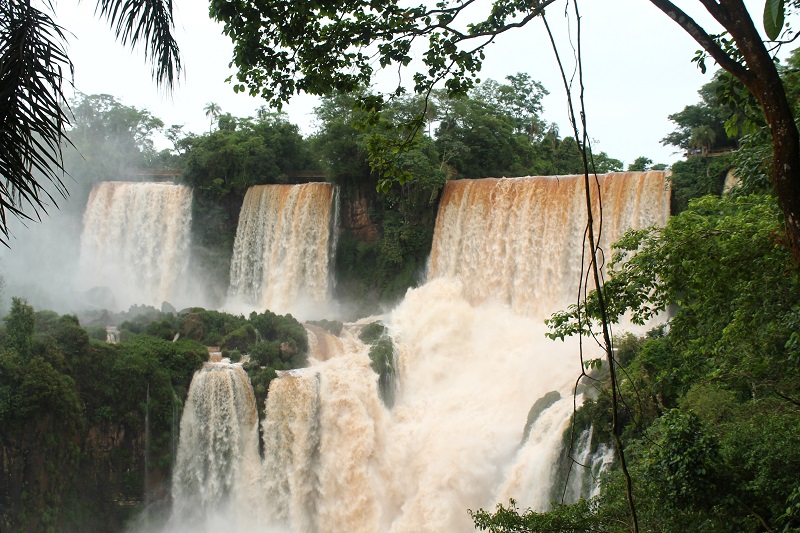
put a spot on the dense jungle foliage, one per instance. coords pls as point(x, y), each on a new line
point(89, 429)
point(72, 421)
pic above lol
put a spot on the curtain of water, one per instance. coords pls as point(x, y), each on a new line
point(282, 249)
point(135, 241)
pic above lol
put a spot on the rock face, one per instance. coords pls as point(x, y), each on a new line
point(356, 219)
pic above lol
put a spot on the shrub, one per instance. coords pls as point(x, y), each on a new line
point(240, 339)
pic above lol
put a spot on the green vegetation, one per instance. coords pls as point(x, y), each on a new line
point(698, 176)
point(209, 327)
point(72, 420)
point(333, 327)
point(372, 332)
point(382, 360)
point(283, 346)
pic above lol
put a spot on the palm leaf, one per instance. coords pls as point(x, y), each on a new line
point(33, 115)
point(149, 22)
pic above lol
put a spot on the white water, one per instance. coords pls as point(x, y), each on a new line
point(218, 464)
point(282, 252)
point(519, 241)
point(472, 359)
point(135, 242)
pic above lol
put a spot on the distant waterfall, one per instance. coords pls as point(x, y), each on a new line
point(218, 464)
point(471, 360)
point(519, 241)
point(135, 240)
point(284, 242)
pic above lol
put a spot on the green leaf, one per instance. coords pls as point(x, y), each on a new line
point(773, 18)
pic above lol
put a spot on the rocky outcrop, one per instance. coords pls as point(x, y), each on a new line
point(355, 216)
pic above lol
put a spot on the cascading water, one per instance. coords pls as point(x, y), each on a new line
point(283, 246)
point(135, 241)
point(519, 241)
point(218, 464)
point(471, 359)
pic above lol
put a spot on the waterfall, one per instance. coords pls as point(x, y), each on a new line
point(471, 361)
point(218, 463)
point(283, 247)
point(135, 241)
point(291, 442)
point(519, 241)
point(323, 444)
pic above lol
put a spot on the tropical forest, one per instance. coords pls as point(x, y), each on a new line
point(437, 312)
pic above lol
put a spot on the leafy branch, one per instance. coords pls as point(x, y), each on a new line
point(282, 48)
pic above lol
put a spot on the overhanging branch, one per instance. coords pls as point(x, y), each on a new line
point(702, 37)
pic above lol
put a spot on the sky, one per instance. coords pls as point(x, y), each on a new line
point(637, 71)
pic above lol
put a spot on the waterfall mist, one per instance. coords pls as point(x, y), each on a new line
point(471, 360)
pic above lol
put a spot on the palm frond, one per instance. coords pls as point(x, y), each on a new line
point(33, 112)
point(149, 22)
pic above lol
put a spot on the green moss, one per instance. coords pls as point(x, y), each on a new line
point(372, 333)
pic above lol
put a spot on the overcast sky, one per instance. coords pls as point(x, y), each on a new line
point(637, 65)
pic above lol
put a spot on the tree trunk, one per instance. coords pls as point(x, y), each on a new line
point(765, 83)
point(759, 74)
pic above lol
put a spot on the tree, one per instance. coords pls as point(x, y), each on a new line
point(714, 112)
point(175, 134)
point(746, 57)
point(33, 67)
point(520, 99)
point(640, 164)
point(109, 138)
point(478, 136)
point(213, 111)
point(19, 327)
point(702, 139)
